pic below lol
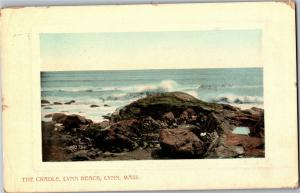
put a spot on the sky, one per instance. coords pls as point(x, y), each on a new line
point(150, 50)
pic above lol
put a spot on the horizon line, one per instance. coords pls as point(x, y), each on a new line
point(153, 69)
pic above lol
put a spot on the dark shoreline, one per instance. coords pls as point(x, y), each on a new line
point(171, 125)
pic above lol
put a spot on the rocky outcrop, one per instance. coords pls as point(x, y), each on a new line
point(158, 104)
point(59, 117)
point(180, 143)
point(167, 125)
point(74, 121)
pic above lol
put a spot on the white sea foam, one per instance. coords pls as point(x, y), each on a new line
point(216, 86)
point(230, 98)
point(193, 93)
point(71, 89)
point(163, 86)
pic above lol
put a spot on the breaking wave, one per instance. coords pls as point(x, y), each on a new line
point(163, 86)
point(238, 99)
point(217, 86)
point(144, 90)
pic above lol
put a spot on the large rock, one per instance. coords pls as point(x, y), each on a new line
point(158, 104)
point(59, 117)
point(149, 125)
point(119, 136)
point(188, 116)
point(193, 128)
point(246, 141)
point(183, 108)
point(180, 143)
point(44, 101)
point(258, 130)
point(235, 145)
point(75, 121)
point(168, 117)
point(217, 122)
point(175, 124)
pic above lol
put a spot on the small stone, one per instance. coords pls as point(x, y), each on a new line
point(44, 101)
point(69, 102)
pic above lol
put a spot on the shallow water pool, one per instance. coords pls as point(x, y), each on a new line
point(241, 130)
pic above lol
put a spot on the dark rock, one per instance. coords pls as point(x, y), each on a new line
point(92, 130)
point(168, 117)
point(212, 141)
point(119, 136)
point(93, 106)
point(188, 116)
point(255, 152)
point(175, 125)
point(44, 101)
point(245, 141)
point(253, 111)
point(107, 116)
point(104, 124)
point(57, 103)
point(217, 122)
point(106, 105)
point(149, 125)
point(59, 117)
point(79, 158)
point(158, 104)
point(47, 107)
point(47, 128)
point(115, 117)
point(233, 145)
point(225, 152)
point(258, 130)
point(188, 110)
point(180, 143)
point(75, 121)
point(71, 149)
point(193, 128)
point(70, 102)
point(248, 117)
point(51, 143)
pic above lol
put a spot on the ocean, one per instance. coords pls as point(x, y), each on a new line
point(109, 90)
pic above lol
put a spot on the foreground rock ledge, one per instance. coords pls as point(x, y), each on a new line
point(161, 126)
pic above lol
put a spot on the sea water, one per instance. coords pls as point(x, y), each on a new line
point(241, 130)
point(110, 90)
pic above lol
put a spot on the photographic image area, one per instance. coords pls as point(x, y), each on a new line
point(152, 95)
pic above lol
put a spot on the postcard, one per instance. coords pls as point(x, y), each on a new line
point(136, 97)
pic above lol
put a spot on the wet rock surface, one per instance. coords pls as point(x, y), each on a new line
point(172, 125)
point(180, 143)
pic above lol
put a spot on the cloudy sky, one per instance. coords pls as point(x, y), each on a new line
point(151, 50)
